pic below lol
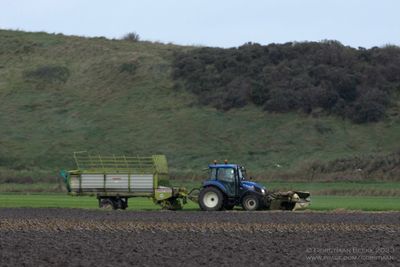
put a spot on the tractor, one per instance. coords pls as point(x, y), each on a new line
point(228, 187)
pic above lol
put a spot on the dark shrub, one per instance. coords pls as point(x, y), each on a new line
point(294, 76)
point(131, 36)
point(49, 73)
point(128, 67)
point(236, 94)
point(282, 100)
point(370, 106)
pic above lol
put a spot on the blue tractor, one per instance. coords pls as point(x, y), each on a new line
point(228, 187)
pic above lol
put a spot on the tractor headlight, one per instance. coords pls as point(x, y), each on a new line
point(263, 191)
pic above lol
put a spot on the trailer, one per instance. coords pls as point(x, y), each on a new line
point(115, 179)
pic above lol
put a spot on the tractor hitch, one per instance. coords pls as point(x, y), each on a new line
point(290, 200)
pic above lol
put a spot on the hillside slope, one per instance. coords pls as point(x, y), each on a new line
point(61, 94)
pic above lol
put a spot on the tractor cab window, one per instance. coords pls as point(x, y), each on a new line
point(241, 176)
point(226, 174)
point(213, 173)
point(242, 173)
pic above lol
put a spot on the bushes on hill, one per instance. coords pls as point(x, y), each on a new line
point(48, 73)
point(352, 83)
point(128, 68)
point(131, 36)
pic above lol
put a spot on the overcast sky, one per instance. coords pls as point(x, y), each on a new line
point(223, 23)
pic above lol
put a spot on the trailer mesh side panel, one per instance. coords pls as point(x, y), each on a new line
point(117, 173)
point(114, 164)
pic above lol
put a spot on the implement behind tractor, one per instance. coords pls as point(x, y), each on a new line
point(115, 179)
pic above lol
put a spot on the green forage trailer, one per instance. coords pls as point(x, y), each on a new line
point(115, 179)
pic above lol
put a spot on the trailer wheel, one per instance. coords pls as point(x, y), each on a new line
point(107, 203)
point(211, 199)
point(251, 202)
point(124, 203)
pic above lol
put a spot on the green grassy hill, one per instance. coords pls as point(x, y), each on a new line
point(61, 94)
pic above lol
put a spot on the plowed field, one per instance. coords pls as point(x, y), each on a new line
point(62, 237)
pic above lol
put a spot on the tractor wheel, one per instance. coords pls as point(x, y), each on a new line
point(251, 202)
point(211, 199)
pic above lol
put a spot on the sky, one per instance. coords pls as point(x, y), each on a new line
point(223, 23)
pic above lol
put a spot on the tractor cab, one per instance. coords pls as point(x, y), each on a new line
point(227, 187)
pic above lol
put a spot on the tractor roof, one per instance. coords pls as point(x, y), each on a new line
point(211, 166)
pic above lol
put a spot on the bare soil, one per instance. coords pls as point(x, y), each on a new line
point(74, 237)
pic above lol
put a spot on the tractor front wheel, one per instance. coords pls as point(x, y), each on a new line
point(211, 199)
point(251, 202)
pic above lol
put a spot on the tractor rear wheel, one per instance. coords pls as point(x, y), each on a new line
point(211, 199)
point(251, 202)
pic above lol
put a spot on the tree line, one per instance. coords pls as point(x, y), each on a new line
point(326, 76)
